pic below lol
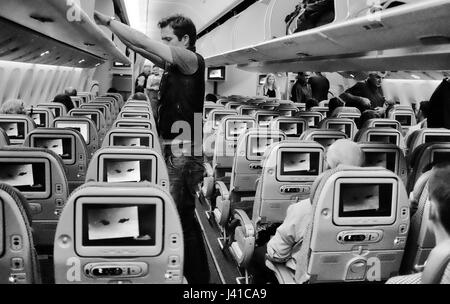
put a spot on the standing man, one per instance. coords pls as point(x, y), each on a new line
point(367, 94)
point(152, 90)
point(182, 93)
point(301, 90)
point(141, 81)
point(320, 86)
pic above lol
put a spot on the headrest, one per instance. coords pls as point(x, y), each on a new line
point(344, 125)
point(315, 134)
point(428, 135)
point(382, 123)
point(381, 135)
point(131, 122)
point(346, 110)
point(425, 153)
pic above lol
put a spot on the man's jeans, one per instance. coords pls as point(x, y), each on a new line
point(185, 173)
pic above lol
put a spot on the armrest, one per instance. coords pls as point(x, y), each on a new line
point(223, 190)
point(282, 273)
point(246, 223)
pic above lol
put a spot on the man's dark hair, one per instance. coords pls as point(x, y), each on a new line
point(311, 103)
point(440, 192)
point(139, 96)
point(181, 26)
point(211, 97)
point(365, 116)
point(65, 100)
point(71, 91)
point(333, 104)
point(425, 107)
point(112, 90)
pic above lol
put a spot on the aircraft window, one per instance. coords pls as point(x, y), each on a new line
point(297, 163)
point(127, 170)
point(365, 200)
point(131, 141)
point(14, 130)
point(26, 177)
point(118, 225)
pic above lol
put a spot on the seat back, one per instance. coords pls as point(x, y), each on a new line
point(42, 117)
point(134, 123)
point(18, 259)
point(119, 233)
point(344, 125)
point(16, 127)
point(58, 109)
point(321, 110)
point(324, 137)
point(124, 164)
point(118, 97)
point(388, 156)
point(424, 157)
point(269, 106)
point(313, 118)
point(287, 109)
point(233, 105)
point(83, 125)
point(132, 138)
point(115, 104)
point(437, 269)
point(103, 108)
point(405, 116)
point(428, 135)
point(347, 112)
point(87, 96)
point(382, 123)
point(289, 169)
point(264, 117)
point(134, 114)
point(360, 217)
point(214, 119)
point(293, 127)
point(227, 137)
point(136, 107)
point(381, 135)
point(250, 150)
point(69, 145)
point(247, 110)
point(207, 108)
point(77, 101)
point(97, 118)
point(39, 175)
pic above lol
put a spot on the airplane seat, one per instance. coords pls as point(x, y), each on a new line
point(247, 110)
point(246, 170)
point(113, 104)
point(222, 101)
point(57, 109)
point(293, 127)
point(421, 238)
point(210, 128)
point(134, 114)
point(321, 109)
point(264, 117)
point(324, 103)
point(125, 164)
point(437, 269)
point(289, 169)
point(360, 219)
point(382, 136)
point(301, 106)
point(16, 127)
point(387, 156)
point(313, 118)
point(42, 117)
point(427, 135)
point(344, 125)
point(269, 105)
point(405, 116)
point(233, 105)
point(40, 176)
point(76, 101)
point(119, 233)
point(97, 118)
point(118, 97)
point(346, 112)
point(18, 258)
point(137, 107)
point(207, 108)
point(287, 109)
point(4, 139)
point(134, 123)
point(423, 157)
point(83, 125)
point(69, 145)
point(103, 107)
point(382, 123)
point(324, 137)
point(130, 137)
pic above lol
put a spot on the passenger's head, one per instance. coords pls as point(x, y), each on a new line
point(365, 116)
point(344, 152)
point(439, 195)
point(139, 96)
point(65, 100)
point(270, 80)
point(112, 90)
point(303, 77)
point(179, 31)
point(311, 103)
point(424, 110)
point(155, 70)
point(211, 97)
point(13, 107)
point(333, 104)
point(71, 91)
point(147, 69)
point(375, 79)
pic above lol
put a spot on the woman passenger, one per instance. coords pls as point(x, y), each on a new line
point(270, 88)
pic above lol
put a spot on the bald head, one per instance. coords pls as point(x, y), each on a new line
point(344, 152)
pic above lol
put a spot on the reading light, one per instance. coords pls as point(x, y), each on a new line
point(45, 53)
point(81, 61)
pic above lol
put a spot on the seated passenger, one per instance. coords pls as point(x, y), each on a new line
point(211, 97)
point(439, 196)
point(422, 118)
point(365, 116)
point(333, 104)
point(289, 236)
point(138, 96)
point(70, 91)
point(65, 100)
point(13, 107)
point(311, 103)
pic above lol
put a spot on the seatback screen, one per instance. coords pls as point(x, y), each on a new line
point(133, 125)
point(93, 117)
point(299, 163)
point(39, 119)
point(118, 225)
point(264, 120)
point(129, 141)
point(236, 128)
point(344, 128)
point(437, 138)
point(258, 145)
point(385, 139)
point(135, 115)
point(14, 130)
point(404, 120)
point(81, 127)
point(381, 159)
point(365, 200)
point(291, 128)
point(115, 170)
point(441, 157)
point(61, 146)
point(26, 177)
